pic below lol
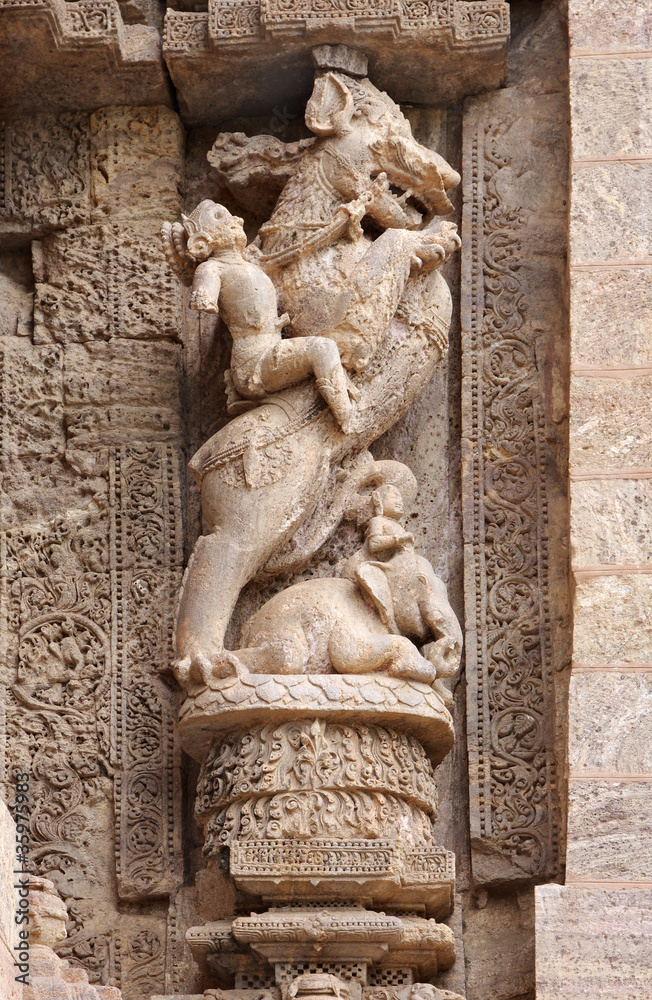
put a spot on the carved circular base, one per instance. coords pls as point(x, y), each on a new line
point(301, 780)
point(237, 703)
point(313, 809)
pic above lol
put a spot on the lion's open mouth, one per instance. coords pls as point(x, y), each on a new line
point(418, 208)
point(415, 205)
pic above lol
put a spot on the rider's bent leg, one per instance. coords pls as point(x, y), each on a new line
point(291, 361)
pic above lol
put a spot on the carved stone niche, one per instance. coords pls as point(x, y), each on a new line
point(318, 732)
point(430, 52)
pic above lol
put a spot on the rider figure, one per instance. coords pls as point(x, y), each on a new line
point(225, 281)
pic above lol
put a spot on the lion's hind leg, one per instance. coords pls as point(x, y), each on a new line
point(282, 652)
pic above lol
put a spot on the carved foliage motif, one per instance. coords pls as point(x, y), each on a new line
point(30, 384)
point(88, 617)
point(316, 755)
point(414, 12)
point(235, 19)
point(187, 31)
point(306, 815)
point(304, 780)
point(478, 21)
point(88, 18)
point(147, 558)
point(282, 9)
point(143, 964)
point(505, 523)
point(58, 617)
point(90, 576)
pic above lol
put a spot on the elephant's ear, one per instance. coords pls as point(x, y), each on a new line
point(372, 581)
point(330, 108)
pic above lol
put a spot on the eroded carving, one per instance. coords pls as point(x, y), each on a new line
point(146, 540)
point(49, 975)
point(380, 300)
point(104, 281)
point(45, 178)
point(92, 534)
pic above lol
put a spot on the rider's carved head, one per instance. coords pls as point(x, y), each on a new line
point(211, 228)
point(388, 501)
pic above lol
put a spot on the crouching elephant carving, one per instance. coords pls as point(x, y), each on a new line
point(366, 621)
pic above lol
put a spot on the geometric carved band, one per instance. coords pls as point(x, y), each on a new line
point(379, 870)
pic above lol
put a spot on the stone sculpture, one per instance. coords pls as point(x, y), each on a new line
point(318, 735)
point(225, 280)
point(361, 623)
point(50, 976)
point(381, 300)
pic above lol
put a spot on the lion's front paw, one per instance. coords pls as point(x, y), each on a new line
point(201, 669)
point(192, 670)
point(181, 670)
point(433, 247)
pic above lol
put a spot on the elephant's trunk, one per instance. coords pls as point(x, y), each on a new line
point(445, 652)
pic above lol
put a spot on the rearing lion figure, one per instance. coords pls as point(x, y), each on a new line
point(353, 251)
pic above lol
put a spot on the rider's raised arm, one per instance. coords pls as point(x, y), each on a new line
point(206, 286)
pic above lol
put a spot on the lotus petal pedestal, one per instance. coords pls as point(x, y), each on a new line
point(317, 794)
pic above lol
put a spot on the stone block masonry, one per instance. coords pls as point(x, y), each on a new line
point(593, 934)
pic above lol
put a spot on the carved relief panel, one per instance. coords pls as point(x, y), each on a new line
point(92, 535)
point(513, 492)
point(319, 718)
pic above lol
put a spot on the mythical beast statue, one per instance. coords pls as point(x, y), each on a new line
point(352, 247)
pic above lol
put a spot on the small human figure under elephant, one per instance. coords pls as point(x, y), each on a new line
point(384, 534)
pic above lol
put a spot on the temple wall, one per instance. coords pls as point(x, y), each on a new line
point(110, 383)
point(92, 528)
point(593, 932)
